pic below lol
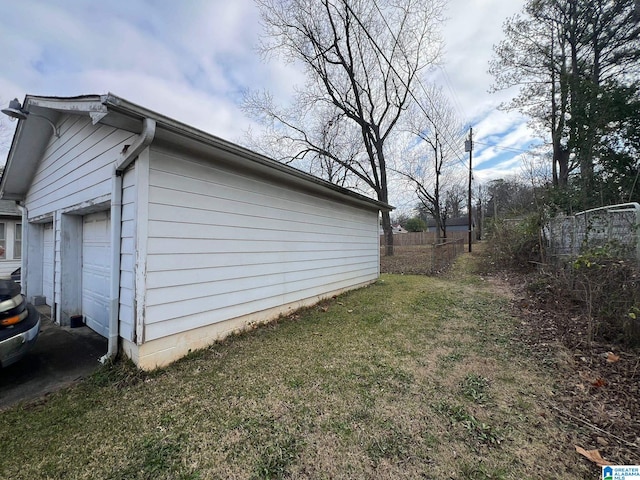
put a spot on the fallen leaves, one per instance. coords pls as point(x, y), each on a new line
point(593, 455)
point(612, 357)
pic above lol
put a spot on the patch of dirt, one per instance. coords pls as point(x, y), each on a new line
point(598, 389)
point(416, 260)
point(409, 260)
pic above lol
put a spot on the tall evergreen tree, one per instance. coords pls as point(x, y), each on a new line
point(577, 63)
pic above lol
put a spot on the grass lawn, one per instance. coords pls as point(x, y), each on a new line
point(412, 377)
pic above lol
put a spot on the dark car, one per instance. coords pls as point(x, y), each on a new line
point(19, 323)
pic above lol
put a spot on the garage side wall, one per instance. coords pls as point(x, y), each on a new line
point(223, 245)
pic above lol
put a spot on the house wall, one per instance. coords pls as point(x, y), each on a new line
point(73, 178)
point(76, 168)
point(223, 245)
point(12, 256)
point(128, 254)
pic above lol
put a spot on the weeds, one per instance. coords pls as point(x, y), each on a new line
point(514, 244)
point(392, 444)
point(481, 432)
point(601, 288)
point(609, 289)
point(474, 387)
point(275, 458)
point(120, 374)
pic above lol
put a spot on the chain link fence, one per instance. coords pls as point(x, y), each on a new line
point(444, 254)
point(616, 227)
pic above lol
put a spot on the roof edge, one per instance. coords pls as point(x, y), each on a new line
point(113, 102)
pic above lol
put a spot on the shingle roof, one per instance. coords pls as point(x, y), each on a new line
point(452, 222)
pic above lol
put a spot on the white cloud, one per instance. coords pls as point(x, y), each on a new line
point(191, 61)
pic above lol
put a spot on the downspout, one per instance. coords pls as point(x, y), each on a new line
point(23, 248)
point(127, 157)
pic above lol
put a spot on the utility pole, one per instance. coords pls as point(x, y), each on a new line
point(468, 147)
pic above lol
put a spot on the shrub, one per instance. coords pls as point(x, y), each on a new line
point(608, 287)
point(416, 224)
point(514, 243)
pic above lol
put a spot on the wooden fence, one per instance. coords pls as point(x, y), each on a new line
point(423, 238)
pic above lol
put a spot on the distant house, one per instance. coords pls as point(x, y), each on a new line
point(10, 238)
point(165, 238)
point(457, 224)
point(395, 229)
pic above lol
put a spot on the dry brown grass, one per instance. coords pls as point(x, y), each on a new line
point(413, 377)
point(408, 260)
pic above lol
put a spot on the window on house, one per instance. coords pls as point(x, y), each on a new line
point(17, 245)
point(3, 241)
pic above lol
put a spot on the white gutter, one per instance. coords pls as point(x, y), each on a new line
point(126, 158)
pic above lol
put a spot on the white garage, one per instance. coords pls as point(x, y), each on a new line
point(166, 238)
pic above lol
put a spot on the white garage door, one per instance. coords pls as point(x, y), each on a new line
point(47, 263)
point(95, 271)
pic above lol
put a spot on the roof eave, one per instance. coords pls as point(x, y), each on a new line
point(118, 104)
point(98, 107)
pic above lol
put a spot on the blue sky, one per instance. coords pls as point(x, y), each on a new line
point(191, 60)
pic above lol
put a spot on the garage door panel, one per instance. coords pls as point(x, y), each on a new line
point(96, 253)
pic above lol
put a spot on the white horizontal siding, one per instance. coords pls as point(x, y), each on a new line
point(189, 261)
point(233, 305)
point(76, 167)
point(127, 253)
point(268, 277)
point(222, 244)
point(232, 193)
point(206, 274)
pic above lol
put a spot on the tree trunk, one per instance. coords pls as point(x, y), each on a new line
point(563, 162)
point(388, 234)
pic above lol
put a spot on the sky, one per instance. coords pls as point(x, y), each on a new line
point(191, 60)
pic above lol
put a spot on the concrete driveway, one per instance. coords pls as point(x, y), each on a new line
point(60, 357)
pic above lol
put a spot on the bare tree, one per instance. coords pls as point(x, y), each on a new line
point(362, 59)
point(456, 198)
point(431, 167)
point(5, 139)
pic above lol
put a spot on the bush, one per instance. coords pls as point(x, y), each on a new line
point(608, 287)
point(416, 224)
point(514, 243)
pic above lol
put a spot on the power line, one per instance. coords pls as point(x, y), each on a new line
point(456, 150)
point(454, 95)
point(513, 149)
